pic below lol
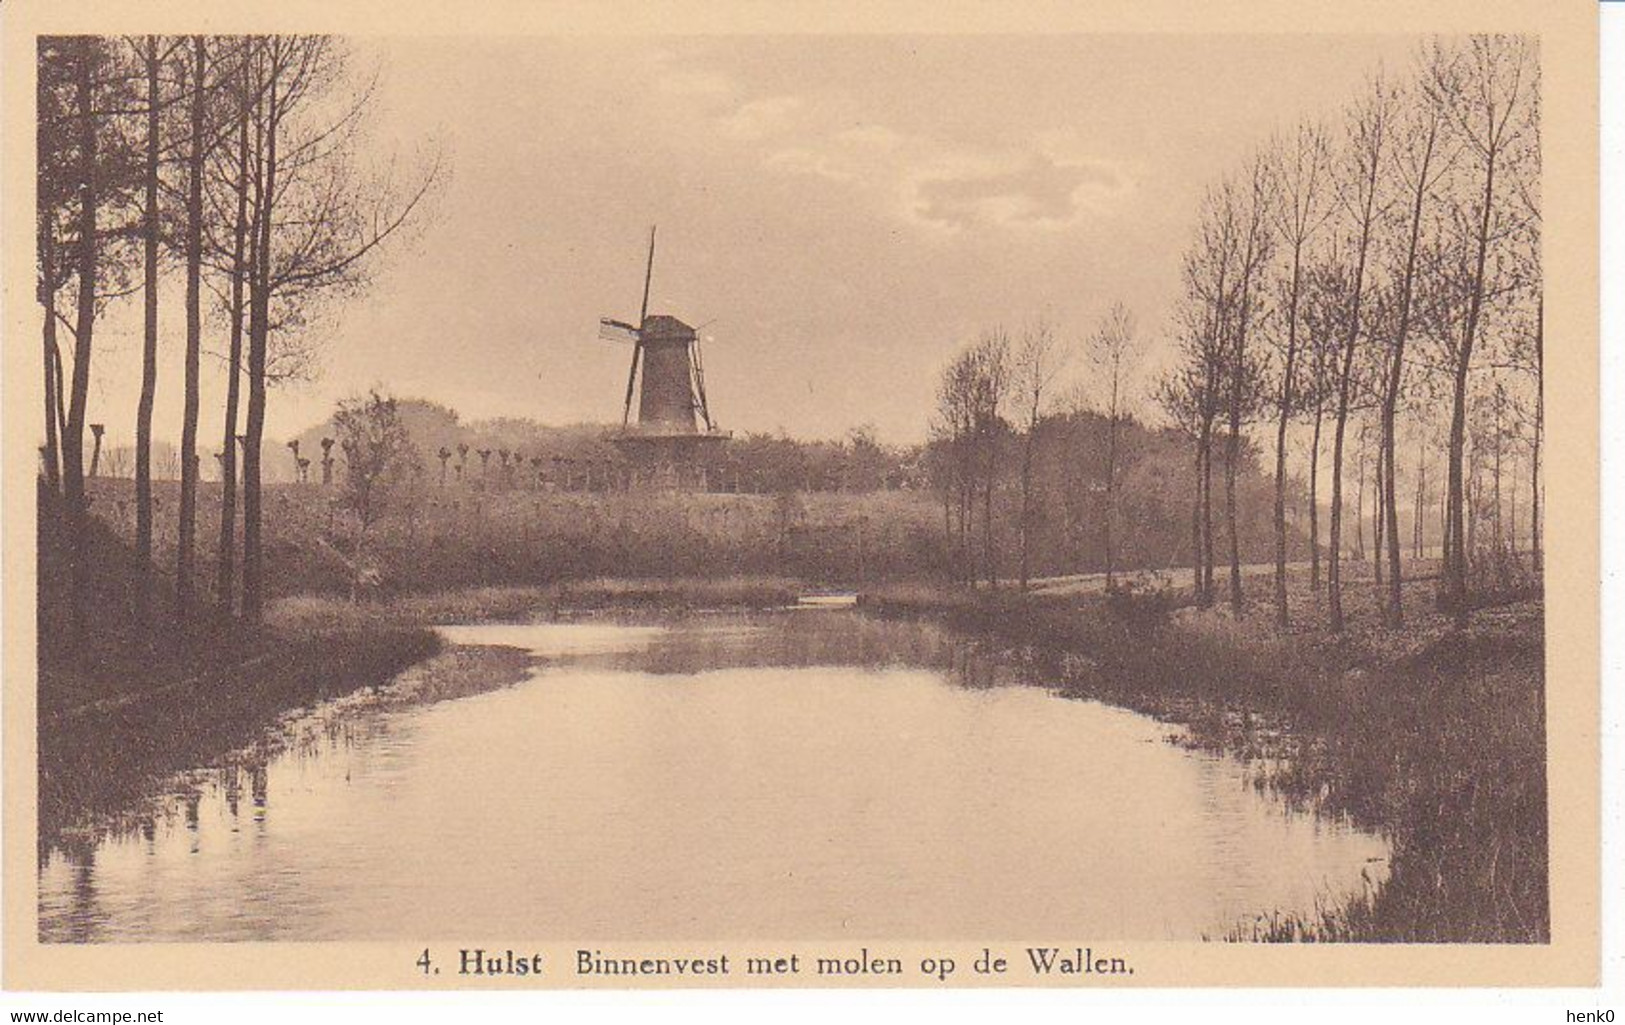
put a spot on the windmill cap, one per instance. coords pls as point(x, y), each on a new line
point(659, 325)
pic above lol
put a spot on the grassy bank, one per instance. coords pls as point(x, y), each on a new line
point(1432, 736)
point(108, 734)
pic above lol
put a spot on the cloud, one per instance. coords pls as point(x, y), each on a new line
point(1049, 180)
point(1040, 192)
point(758, 119)
point(800, 160)
point(684, 82)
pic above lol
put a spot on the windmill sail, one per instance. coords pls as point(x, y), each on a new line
point(616, 331)
point(698, 369)
point(637, 342)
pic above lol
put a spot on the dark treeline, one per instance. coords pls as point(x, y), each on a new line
point(1035, 480)
point(514, 452)
point(228, 170)
point(1059, 475)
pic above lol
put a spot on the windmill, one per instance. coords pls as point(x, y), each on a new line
point(672, 406)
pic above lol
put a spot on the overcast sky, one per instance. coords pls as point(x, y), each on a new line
point(841, 212)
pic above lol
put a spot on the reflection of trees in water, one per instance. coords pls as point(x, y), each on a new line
point(178, 804)
point(84, 916)
point(805, 638)
point(792, 639)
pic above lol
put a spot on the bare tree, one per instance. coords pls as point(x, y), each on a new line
point(1488, 87)
point(1361, 194)
point(1299, 173)
point(1210, 270)
point(1419, 166)
point(952, 430)
point(1181, 395)
point(1113, 353)
point(1324, 308)
point(86, 177)
point(198, 145)
point(316, 222)
point(152, 57)
point(991, 354)
point(1038, 358)
point(971, 395)
point(379, 469)
point(239, 271)
point(1256, 243)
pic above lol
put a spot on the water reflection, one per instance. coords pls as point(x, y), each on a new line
point(804, 775)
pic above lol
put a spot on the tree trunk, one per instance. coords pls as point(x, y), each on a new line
point(1377, 524)
point(1026, 499)
point(1417, 518)
point(1111, 487)
point(258, 336)
point(48, 290)
point(187, 535)
point(1334, 554)
point(1535, 546)
point(1359, 502)
point(1456, 570)
point(1282, 613)
point(1207, 515)
point(1232, 454)
point(1395, 611)
point(1314, 501)
point(1196, 525)
point(1495, 482)
point(240, 269)
point(149, 344)
point(73, 435)
point(990, 570)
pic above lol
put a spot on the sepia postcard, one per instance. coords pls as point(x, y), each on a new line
point(707, 495)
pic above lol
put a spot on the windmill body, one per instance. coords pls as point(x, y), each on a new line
point(674, 424)
point(667, 403)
